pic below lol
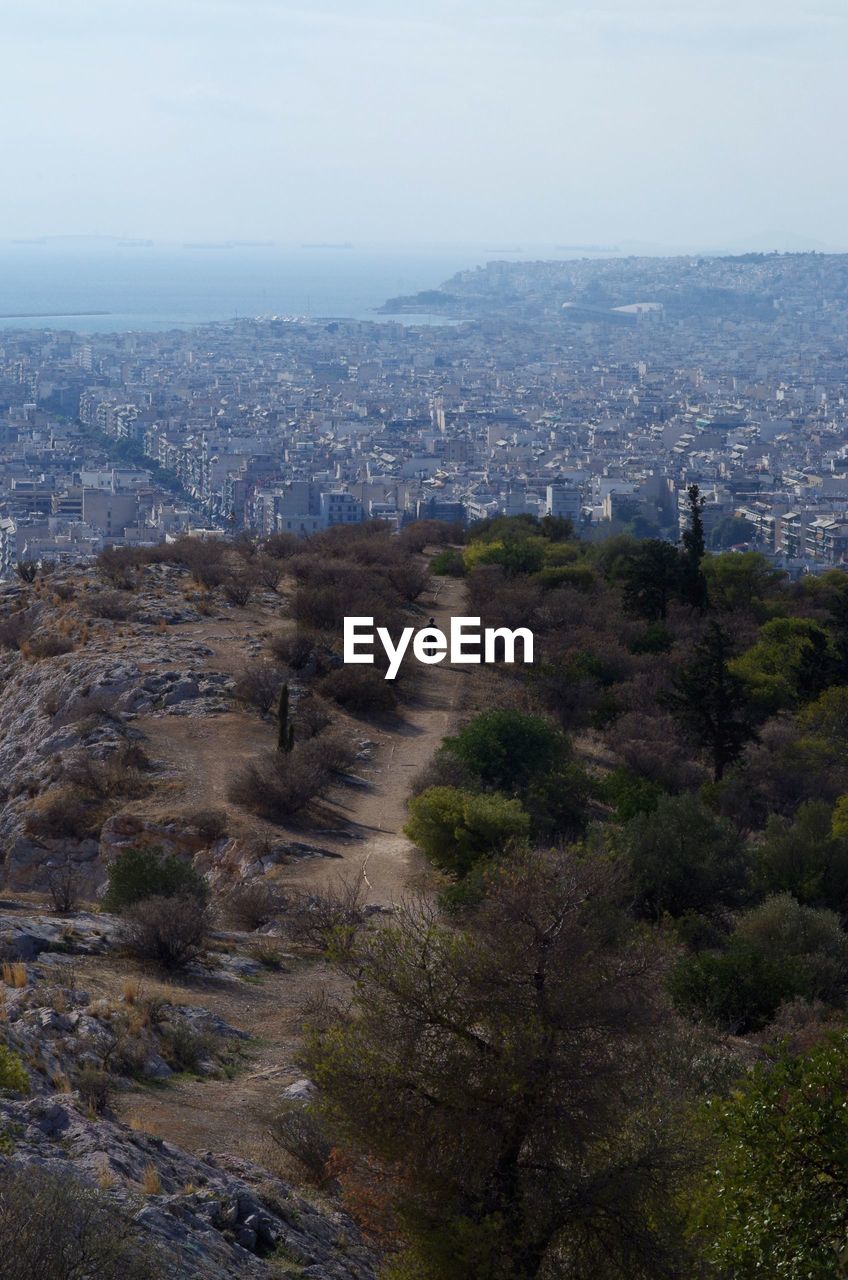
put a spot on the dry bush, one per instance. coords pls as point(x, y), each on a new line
point(259, 686)
point(312, 717)
point(64, 591)
point(54, 1226)
point(171, 932)
point(329, 917)
point(332, 749)
point(95, 1088)
point(251, 906)
point(210, 824)
point(46, 644)
point(280, 546)
point(295, 649)
point(111, 605)
point(237, 589)
point(267, 572)
point(27, 570)
point(299, 1134)
point(17, 628)
point(360, 690)
point(119, 566)
point(429, 533)
point(280, 784)
point(117, 774)
point(63, 884)
point(63, 812)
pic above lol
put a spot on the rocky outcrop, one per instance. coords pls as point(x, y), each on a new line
point(214, 1217)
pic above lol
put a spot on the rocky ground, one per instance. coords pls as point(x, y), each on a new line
point(162, 1094)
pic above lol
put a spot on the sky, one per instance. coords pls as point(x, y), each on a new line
point(674, 123)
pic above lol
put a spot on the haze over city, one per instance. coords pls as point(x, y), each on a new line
point(671, 126)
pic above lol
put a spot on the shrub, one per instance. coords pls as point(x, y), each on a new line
point(252, 905)
point(169, 931)
point(63, 883)
point(47, 645)
point(95, 1087)
point(13, 1075)
point(329, 918)
point(805, 858)
point(210, 824)
point(55, 1227)
point(780, 951)
point(15, 628)
point(259, 686)
point(267, 572)
point(360, 690)
point(312, 717)
point(27, 570)
point(63, 812)
point(448, 563)
point(507, 748)
point(238, 589)
point(108, 604)
point(629, 794)
point(137, 874)
point(278, 785)
point(299, 1134)
point(457, 828)
point(296, 648)
point(184, 1048)
point(684, 858)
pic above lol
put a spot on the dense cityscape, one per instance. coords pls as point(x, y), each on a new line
point(594, 389)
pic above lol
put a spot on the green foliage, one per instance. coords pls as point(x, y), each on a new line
point(650, 578)
point(656, 638)
point(683, 858)
point(515, 555)
point(807, 857)
point(13, 1073)
point(827, 719)
point(741, 581)
point(693, 584)
point(506, 749)
point(731, 530)
point(779, 951)
point(629, 795)
point(494, 1076)
point(579, 576)
point(772, 1200)
point(709, 700)
point(790, 662)
point(457, 828)
point(136, 874)
point(448, 563)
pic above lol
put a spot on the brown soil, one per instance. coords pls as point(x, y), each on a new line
point(233, 1115)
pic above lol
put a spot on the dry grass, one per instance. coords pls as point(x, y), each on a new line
point(14, 973)
point(151, 1183)
point(131, 990)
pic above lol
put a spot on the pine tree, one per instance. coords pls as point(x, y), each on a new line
point(710, 702)
point(694, 584)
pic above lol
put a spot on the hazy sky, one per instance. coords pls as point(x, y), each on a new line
point(479, 121)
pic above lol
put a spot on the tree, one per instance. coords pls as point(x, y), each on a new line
point(513, 1088)
point(710, 703)
point(791, 661)
point(694, 584)
point(650, 579)
point(775, 1198)
point(684, 858)
point(507, 748)
point(457, 828)
point(730, 530)
point(740, 581)
point(807, 857)
point(285, 730)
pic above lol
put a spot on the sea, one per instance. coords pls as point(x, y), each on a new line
point(107, 285)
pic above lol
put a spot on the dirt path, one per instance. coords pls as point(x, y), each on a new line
point(234, 1115)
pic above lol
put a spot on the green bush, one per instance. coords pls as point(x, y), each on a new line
point(780, 951)
point(771, 1200)
point(136, 874)
point(507, 749)
point(804, 857)
point(684, 858)
point(457, 828)
point(448, 563)
point(12, 1071)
